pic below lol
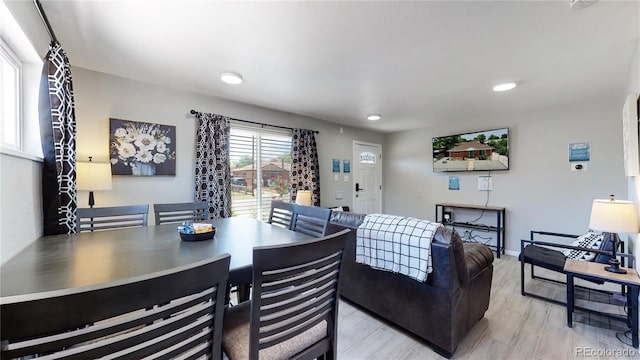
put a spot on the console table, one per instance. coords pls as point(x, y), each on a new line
point(499, 227)
point(596, 271)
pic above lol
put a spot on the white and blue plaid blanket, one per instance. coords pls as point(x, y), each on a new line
point(396, 243)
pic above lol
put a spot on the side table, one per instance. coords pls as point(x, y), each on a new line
point(596, 271)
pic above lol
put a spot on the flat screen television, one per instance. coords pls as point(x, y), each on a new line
point(478, 151)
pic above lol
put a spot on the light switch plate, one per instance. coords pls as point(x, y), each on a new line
point(485, 183)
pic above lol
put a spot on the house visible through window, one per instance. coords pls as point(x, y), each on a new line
point(260, 170)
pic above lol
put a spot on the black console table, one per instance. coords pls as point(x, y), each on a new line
point(499, 227)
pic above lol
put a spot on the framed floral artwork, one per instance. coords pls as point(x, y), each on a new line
point(142, 149)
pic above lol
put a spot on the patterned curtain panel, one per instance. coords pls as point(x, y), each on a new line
point(213, 169)
point(58, 134)
point(305, 169)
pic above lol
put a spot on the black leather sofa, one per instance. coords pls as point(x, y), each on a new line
point(441, 310)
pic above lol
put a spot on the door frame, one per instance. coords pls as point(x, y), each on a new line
point(356, 160)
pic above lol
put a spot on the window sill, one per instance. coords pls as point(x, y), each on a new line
point(20, 154)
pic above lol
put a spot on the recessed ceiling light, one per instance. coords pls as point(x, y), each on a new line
point(231, 78)
point(504, 87)
point(374, 117)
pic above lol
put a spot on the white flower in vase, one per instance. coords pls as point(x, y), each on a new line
point(159, 158)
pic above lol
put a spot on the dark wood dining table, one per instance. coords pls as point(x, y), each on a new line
point(73, 260)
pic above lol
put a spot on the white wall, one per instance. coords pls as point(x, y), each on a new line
point(100, 96)
point(633, 87)
point(539, 191)
point(20, 204)
point(20, 194)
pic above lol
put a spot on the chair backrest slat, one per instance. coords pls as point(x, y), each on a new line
point(311, 220)
point(105, 218)
point(296, 288)
point(281, 214)
point(180, 212)
point(165, 314)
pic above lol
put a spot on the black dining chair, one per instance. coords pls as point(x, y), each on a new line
point(311, 220)
point(281, 214)
point(114, 217)
point(294, 309)
point(122, 319)
point(180, 212)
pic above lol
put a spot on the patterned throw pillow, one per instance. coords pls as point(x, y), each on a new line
point(590, 240)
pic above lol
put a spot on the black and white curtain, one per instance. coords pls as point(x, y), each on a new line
point(58, 134)
point(213, 168)
point(305, 169)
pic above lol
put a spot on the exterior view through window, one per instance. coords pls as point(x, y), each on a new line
point(260, 170)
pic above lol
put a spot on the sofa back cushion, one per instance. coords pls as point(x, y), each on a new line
point(448, 236)
point(443, 236)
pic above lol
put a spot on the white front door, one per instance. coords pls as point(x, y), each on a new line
point(367, 178)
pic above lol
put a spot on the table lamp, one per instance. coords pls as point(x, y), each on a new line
point(93, 176)
point(612, 217)
point(303, 197)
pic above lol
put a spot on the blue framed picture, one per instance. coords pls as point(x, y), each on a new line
point(580, 151)
point(336, 165)
point(346, 166)
point(454, 183)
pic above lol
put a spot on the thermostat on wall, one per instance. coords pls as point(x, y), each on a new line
point(578, 166)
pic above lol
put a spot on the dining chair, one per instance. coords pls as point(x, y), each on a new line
point(179, 212)
point(104, 218)
point(281, 214)
point(122, 319)
point(311, 220)
point(293, 313)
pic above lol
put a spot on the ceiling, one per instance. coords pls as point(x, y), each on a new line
point(416, 63)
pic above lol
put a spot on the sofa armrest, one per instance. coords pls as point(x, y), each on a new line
point(477, 258)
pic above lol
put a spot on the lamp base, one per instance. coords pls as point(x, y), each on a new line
point(614, 267)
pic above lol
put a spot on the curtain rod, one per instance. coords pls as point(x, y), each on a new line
point(43, 16)
point(261, 124)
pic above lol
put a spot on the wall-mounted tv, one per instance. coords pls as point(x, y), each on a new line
point(477, 151)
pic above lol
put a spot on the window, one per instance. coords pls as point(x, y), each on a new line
point(20, 71)
point(10, 79)
point(262, 159)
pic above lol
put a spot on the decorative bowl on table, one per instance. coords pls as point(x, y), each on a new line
point(196, 232)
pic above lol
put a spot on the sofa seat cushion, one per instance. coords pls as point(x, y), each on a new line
point(477, 258)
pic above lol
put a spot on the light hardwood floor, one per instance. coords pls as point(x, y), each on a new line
point(514, 327)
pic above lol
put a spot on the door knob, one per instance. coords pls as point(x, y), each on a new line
point(358, 187)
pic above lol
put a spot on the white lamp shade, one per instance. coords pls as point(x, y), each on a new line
point(303, 197)
point(613, 216)
point(93, 176)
